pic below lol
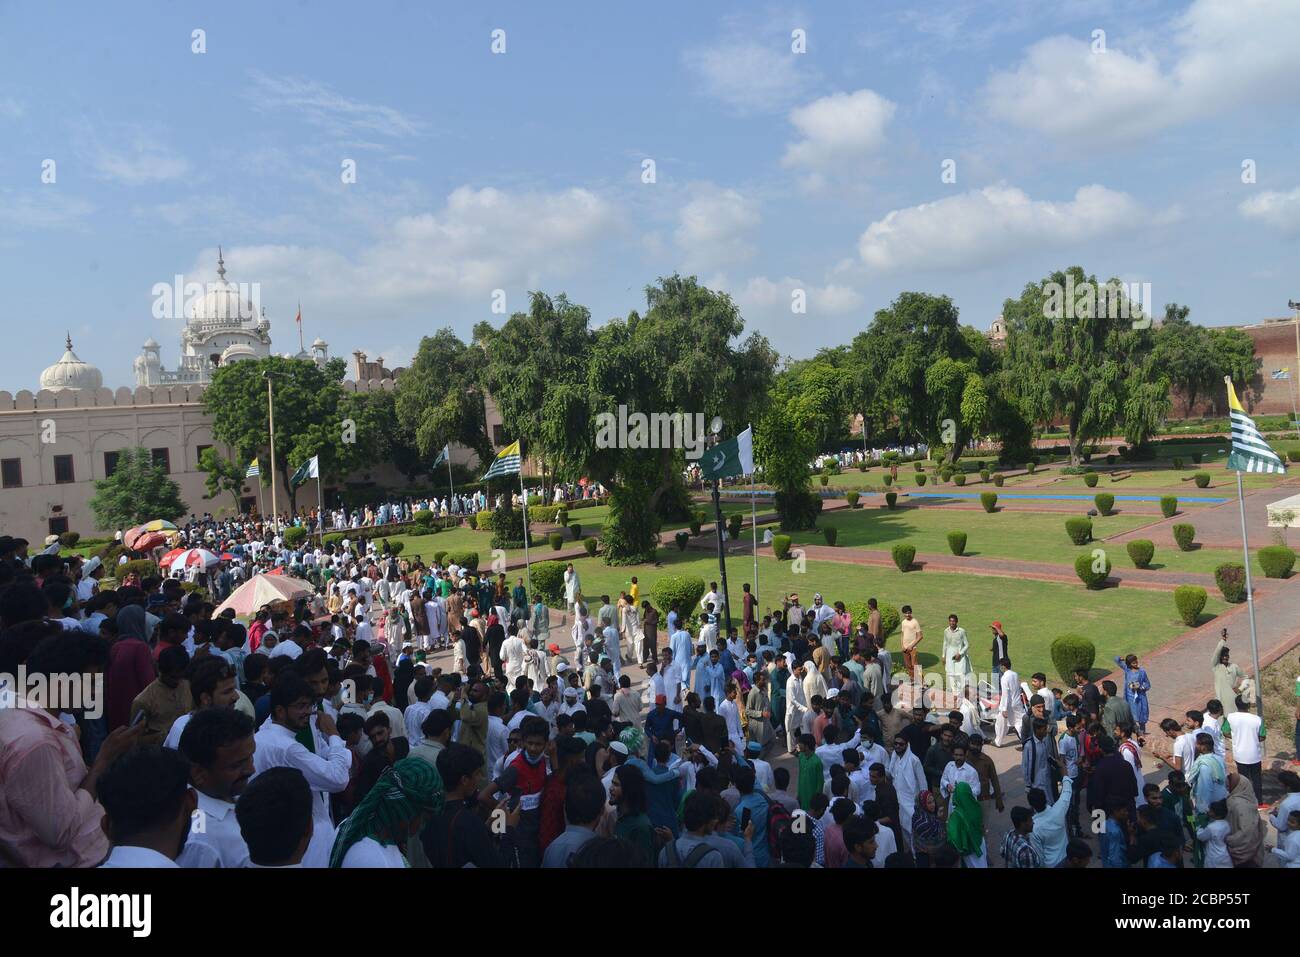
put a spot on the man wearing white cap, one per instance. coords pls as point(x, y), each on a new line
point(796, 704)
point(571, 703)
point(91, 573)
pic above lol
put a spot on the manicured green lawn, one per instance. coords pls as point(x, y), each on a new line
point(1029, 536)
point(1033, 613)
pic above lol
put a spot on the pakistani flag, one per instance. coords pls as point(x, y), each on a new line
point(507, 462)
point(732, 457)
point(308, 470)
point(1250, 453)
point(443, 455)
point(253, 470)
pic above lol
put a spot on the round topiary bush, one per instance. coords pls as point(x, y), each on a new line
point(1202, 479)
point(888, 479)
point(556, 539)
point(945, 474)
point(1105, 502)
point(1183, 535)
point(1071, 653)
point(830, 533)
point(694, 526)
point(959, 479)
point(890, 619)
point(1079, 530)
point(920, 479)
point(683, 590)
point(918, 466)
point(1196, 458)
point(143, 567)
point(1092, 570)
point(984, 475)
point(998, 479)
point(295, 535)
point(890, 499)
point(734, 523)
point(1090, 480)
point(957, 542)
point(1190, 600)
point(440, 556)
point(1231, 579)
point(1141, 551)
point(990, 501)
point(548, 583)
point(1293, 455)
point(903, 555)
point(1178, 463)
point(1168, 505)
point(682, 539)
point(484, 521)
point(825, 479)
point(1030, 468)
point(467, 560)
point(396, 548)
point(423, 517)
point(562, 516)
point(590, 546)
point(1276, 560)
point(472, 520)
point(852, 498)
point(862, 466)
point(781, 546)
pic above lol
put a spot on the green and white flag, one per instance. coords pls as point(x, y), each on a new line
point(732, 457)
point(308, 470)
point(1250, 453)
point(443, 455)
point(507, 462)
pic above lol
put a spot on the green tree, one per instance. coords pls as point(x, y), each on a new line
point(222, 475)
point(807, 399)
point(440, 398)
point(138, 491)
point(1077, 362)
point(309, 417)
point(1235, 352)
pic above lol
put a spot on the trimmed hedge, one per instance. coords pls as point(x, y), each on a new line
point(830, 533)
point(852, 498)
point(144, 567)
point(1276, 560)
point(396, 548)
point(1202, 479)
point(1071, 652)
point(1231, 579)
point(682, 539)
point(887, 479)
point(590, 545)
point(825, 479)
point(734, 522)
point(575, 530)
point(694, 525)
point(990, 501)
point(1091, 577)
point(423, 516)
point(1079, 530)
point(684, 590)
point(484, 521)
point(957, 542)
point(1031, 468)
point(1168, 505)
point(889, 615)
point(921, 479)
point(1141, 551)
point(903, 555)
point(1190, 600)
point(890, 499)
point(780, 547)
point(295, 535)
point(1196, 458)
point(556, 539)
point(1293, 455)
point(1178, 463)
point(1090, 479)
point(562, 516)
point(472, 520)
point(998, 479)
point(1184, 533)
point(1105, 502)
point(440, 556)
point(959, 478)
point(918, 465)
point(548, 583)
point(464, 559)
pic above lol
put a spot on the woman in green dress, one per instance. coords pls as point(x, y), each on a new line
point(966, 827)
point(627, 793)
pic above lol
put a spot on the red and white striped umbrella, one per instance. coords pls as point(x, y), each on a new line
point(191, 557)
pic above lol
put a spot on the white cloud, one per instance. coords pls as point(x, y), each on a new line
point(322, 106)
point(761, 298)
point(129, 154)
point(478, 241)
point(47, 207)
point(11, 109)
point(715, 227)
point(747, 75)
point(838, 129)
point(1281, 211)
point(1222, 54)
point(984, 226)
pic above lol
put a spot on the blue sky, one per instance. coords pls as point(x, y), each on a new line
point(775, 170)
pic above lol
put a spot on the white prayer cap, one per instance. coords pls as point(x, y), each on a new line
point(561, 668)
point(571, 692)
point(92, 565)
point(619, 746)
point(789, 660)
point(833, 693)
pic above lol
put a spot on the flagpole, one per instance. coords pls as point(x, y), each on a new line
point(523, 493)
point(753, 527)
point(451, 508)
point(270, 418)
point(1250, 591)
point(320, 508)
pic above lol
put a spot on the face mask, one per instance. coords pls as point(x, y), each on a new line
point(531, 760)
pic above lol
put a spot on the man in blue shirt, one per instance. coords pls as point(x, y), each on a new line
point(757, 805)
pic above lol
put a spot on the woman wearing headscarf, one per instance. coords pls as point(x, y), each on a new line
point(966, 826)
point(1246, 828)
point(394, 811)
point(928, 830)
point(130, 666)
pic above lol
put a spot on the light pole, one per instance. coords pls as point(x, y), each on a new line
point(270, 420)
point(717, 529)
point(1295, 418)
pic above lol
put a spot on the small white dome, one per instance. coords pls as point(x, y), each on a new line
point(71, 373)
point(222, 301)
point(237, 351)
point(150, 343)
point(319, 343)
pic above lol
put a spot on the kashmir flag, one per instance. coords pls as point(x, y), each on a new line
point(308, 470)
point(443, 455)
point(507, 462)
point(732, 457)
point(253, 470)
point(1250, 453)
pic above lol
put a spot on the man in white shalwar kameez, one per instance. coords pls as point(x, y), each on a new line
point(813, 684)
point(1011, 705)
point(904, 769)
point(796, 706)
point(512, 658)
point(572, 588)
point(731, 711)
point(956, 656)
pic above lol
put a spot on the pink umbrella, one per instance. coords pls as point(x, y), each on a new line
point(263, 590)
point(191, 557)
point(170, 557)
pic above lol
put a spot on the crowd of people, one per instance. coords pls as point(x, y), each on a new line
point(412, 714)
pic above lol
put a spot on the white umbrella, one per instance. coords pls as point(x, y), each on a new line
point(263, 590)
point(190, 557)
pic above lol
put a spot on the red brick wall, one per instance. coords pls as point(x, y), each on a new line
point(1275, 346)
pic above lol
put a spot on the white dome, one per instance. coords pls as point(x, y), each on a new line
point(222, 301)
point(71, 373)
point(237, 351)
point(150, 343)
point(319, 343)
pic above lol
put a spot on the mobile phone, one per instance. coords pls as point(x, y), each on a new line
point(744, 818)
point(139, 716)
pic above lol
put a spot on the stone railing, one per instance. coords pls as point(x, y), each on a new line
point(25, 400)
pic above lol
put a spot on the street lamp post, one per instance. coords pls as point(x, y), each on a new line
point(717, 529)
point(270, 420)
